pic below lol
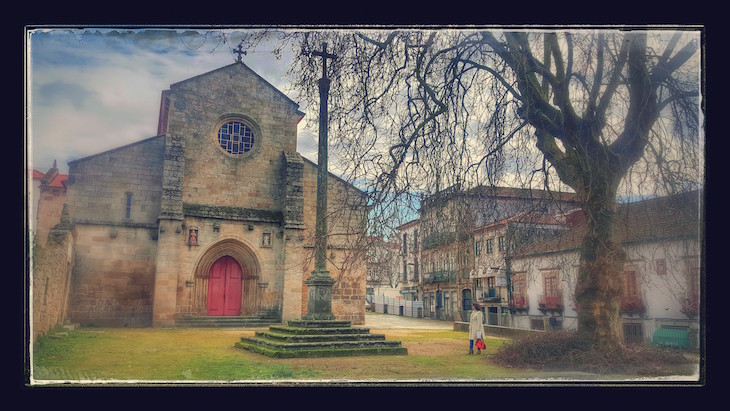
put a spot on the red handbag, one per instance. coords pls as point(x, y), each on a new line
point(480, 344)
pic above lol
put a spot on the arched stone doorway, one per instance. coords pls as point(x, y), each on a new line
point(224, 287)
point(226, 281)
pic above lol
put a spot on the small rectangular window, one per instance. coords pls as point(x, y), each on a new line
point(537, 324)
point(128, 207)
point(633, 333)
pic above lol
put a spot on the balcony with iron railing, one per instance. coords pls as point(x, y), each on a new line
point(518, 302)
point(550, 302)
point(631, 304)
point(439, 277)
point(491, 294)
point(691, 306)
point(445, 276)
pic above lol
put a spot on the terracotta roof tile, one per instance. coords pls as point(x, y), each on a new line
point(655, 219)
point(58, 181)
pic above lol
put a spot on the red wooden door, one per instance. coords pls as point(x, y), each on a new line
point(224, 287)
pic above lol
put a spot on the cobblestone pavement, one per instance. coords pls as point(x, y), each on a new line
point(389, 321)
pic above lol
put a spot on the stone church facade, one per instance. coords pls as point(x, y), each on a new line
point(213, 216)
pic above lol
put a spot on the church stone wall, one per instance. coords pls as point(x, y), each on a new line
point(98, 185)
point(48, 214)
point(114, 276)
point(345, 225)
point(270, 258)
point(249, 180)
point(51, 276)
point(115, 255)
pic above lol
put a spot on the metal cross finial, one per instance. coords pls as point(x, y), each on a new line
point(324, 56)
point(240, 53)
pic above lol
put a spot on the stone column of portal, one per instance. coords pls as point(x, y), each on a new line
point(293, 237)
point(319, 283)
point(169, 236)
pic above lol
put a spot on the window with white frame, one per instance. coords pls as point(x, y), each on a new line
point(489, 246)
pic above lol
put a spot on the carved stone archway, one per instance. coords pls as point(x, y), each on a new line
point(244, 254)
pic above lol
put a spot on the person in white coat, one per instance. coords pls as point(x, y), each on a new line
point(476, 327)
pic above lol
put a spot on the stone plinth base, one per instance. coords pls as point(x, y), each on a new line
point(319, 338)
point(319, 302)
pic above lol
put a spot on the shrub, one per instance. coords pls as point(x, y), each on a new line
point(568, 350)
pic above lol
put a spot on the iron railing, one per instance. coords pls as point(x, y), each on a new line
point(550, 302)
point(518, 302)
point(691, 305)
point(631, 304)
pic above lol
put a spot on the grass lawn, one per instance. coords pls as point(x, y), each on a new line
point(208, 355)
point(202, 354)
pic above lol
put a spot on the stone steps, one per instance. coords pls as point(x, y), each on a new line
point(226, 321)
point(318, 330)
point(319, 338)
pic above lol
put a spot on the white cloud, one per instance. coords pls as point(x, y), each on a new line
point(91, 92)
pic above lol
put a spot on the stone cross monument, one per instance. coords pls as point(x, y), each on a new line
point(319, 305)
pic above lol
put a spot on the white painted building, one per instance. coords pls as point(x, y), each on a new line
point(661, 279)
point(493, 245)
point(409, 257)
point(382, 269)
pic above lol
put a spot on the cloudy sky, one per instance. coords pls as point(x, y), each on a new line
point(92, 90)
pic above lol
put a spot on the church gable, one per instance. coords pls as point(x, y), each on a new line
point(238, 70)
point(232, 127)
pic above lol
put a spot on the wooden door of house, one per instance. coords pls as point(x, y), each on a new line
point(224, 287)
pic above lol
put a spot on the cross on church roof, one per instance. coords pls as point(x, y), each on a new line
point(240, 53)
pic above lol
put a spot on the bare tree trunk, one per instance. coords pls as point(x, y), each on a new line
point(598, 286)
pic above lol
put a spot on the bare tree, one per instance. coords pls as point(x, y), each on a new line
point(599, 111)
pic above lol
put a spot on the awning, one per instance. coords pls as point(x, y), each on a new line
point(671, 337)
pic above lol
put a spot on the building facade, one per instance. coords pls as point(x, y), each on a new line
point(213, 216)
point(458, 224)
point(660, 281)
point(409, 260)
point(494, 245)
point(382, 269)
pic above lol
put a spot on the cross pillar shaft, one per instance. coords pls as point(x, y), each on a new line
point(319, 304)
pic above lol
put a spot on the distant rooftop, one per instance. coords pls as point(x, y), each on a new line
point(661, 218)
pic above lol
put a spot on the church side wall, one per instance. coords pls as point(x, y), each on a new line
point(51, 275)
point(49, 209)
point(345, 224)
point(98, 185)
point(113, 278)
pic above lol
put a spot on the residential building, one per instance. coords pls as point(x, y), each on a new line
point(382, 269)
point(409, 260)
point(449, 221)
point(493, 245)
point(660, 281)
